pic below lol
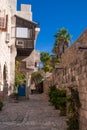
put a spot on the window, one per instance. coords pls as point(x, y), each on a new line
point(23, 32)
point(2, 22)
point(2, 19)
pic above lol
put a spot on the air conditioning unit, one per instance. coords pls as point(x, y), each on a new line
point(7, 38)
point(20, 43)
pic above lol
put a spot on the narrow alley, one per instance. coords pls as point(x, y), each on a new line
point(33, 114)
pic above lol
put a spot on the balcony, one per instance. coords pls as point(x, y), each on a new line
point(25, 36)
point(24, 47)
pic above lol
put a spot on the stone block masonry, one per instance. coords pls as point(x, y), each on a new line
point(74, 64)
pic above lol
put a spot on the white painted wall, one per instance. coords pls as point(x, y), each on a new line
point(5, 49)
point(8, 50)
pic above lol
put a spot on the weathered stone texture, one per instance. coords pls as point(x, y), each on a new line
point(25, 12)
point(47, 83)
point(74, 64)
point(35, 114)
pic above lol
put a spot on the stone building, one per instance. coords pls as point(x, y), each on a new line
point(26, 35)
point(7, 46)
point(18, 35)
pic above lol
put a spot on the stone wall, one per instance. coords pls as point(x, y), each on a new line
point(74, 71)
point(25, 12)
point(46, 83)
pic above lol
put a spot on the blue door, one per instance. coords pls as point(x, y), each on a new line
point(21, 90)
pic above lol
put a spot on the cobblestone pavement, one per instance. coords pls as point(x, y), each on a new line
point(33, 114)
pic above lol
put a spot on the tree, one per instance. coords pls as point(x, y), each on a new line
point(56, 50)
point(62, 40)
point(47, 68)
point(46, 59)
point(55, 61)
point(36, 77)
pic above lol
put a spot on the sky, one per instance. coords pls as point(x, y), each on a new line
point(55, 14)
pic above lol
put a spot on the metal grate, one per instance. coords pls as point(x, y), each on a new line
point(25, 44)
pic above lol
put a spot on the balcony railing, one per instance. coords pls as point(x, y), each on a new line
point(25, 43)
point(24, 47)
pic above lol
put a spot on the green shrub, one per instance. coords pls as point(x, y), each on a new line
point(73, 109)
point(58, 99)
point(40, 87)
point(73, 122)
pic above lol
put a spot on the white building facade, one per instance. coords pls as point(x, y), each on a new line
point(7, 56)
point(9, 35)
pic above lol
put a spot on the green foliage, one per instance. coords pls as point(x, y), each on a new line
point(19, 76)
point(73, 122)
point(36, 77)
point(58, 61)
point(56, 50)
point(45, 58)
point(62, 35)
point(62, 39)
point(47, 68)
point(58, 99)
point(46, 61)
point(40, 87)
point(73, 109)
point(17, 65)
point(55, 61)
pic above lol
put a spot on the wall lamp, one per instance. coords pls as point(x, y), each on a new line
point(59, 68)
point(80, 47)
